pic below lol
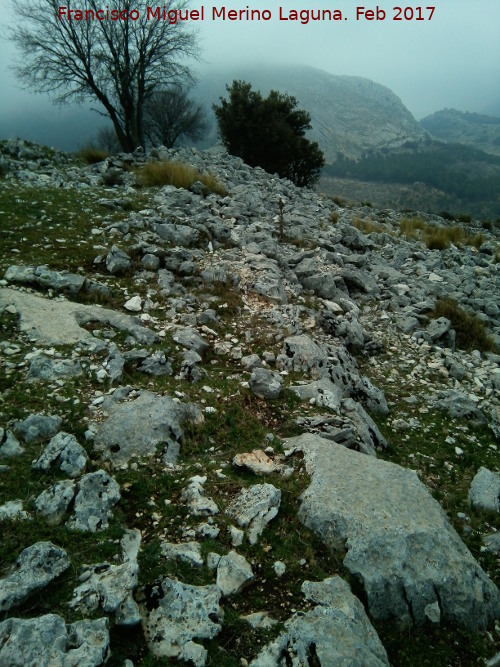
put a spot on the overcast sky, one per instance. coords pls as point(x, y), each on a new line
point(452, 61)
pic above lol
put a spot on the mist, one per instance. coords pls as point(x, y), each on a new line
point(450, 61)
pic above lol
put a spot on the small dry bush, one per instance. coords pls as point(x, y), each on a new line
point(92, 155)
point(368, 226)
point(471, 331)
point(409, 227)
point(334, 217)
point(178, 174)
point(438, 238)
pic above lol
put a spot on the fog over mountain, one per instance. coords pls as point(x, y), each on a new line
point(451, 61)
point(348, 114)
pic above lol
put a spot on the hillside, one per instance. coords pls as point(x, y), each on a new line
point(241, 425)
point(436, 177)
point(348, 114)
point(473, 129)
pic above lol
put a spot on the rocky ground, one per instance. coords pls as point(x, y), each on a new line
point(235, 428)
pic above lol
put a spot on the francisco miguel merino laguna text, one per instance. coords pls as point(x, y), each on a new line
point(223, 13)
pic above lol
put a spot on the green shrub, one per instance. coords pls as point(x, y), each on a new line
point(178, 174)
point(471, 331)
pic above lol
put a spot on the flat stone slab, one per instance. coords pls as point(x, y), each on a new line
point(399, 542)
point(182, 614)
point(336, 632)
point(35, 567)
point(254, 508)
point(53, 322)
point(47, 640)
point(140, 427)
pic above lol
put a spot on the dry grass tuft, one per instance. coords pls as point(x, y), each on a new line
point(438, 238)
point(367, 226)
point(178, 174)
point(471, 331)
point(92, 155)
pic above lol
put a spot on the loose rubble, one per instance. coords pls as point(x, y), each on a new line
point(145, 425)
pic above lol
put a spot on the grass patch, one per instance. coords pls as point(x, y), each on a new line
point(367, 226)
point(178, 174)
point(438, 238)
point(53, 226)
point(471, 331)
point(92, 155)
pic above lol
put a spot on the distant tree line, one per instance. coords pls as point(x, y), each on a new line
point(455, 169)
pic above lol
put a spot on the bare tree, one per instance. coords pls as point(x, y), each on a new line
point(119, 63)
point(171, 114)
point(106, 138)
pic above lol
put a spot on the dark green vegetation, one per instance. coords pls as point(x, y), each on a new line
point(269, 133)
point(474, 129)
point(468, 178)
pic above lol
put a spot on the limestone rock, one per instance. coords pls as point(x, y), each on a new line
point(324, 393)
point(62, 322)
point(178, 235)
point(266, 384)
point(45, 368)
point(52, 504)
point(42, 276)
point(9, 445)
point(157, 364)
point(117, 261)
point(254, 508)
point(35, 567)
point(189, 552)
point(13, 511)
point(38, 427)
point(64, 451)
point(459, 405)
point(97, 493)
point(47, 641)
point(335, 632)
point(182, 613)
point(199, 504)
point(138, 428)
point(301, 353)
point(257, 462)
point(109, 587)
point(190, 338)
point(233, 573)
point(400, 544)
point(484, 493)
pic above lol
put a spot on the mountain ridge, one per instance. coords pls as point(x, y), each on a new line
point(349, 114)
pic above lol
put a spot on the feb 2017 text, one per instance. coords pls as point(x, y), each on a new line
point(224, 13)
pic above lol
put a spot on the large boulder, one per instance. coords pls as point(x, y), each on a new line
point(399, 542)
point(335, 632)
point(35, 567)
point(139, 428)
point(182, 613)
point(47, 641)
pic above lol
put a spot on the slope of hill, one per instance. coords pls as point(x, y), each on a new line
point(262, 445)
point(455, 177)
point(474, 129)
point(349, 115)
